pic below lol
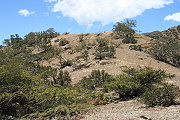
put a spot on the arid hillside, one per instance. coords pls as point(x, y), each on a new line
point(124, 56)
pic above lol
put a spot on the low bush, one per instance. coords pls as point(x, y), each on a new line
point(136, 47)
point(124, 86)
point(66, 63)
point(63, 42)
point(131, 40)
point(82, 46)
point(96, 79)
point(162, 96)
point(130, 71)
point(104, 50)
point(135, 82)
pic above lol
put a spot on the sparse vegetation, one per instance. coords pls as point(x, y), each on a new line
point(63, 42)
point(85, 55)
point(82, 46)
point(81, 37)
point(66, 33)
point(136, 47)
point(104, 50)
point(66, 63)
point(167, 50)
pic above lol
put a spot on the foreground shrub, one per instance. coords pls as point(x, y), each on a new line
point(130, 71)
point(162, 96)
point(135, 82)
point(124, 86)
point(148, 76)
point(96, 79)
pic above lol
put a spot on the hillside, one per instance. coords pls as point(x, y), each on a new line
point(124, 57)
point(171, 32)
point(47, 75)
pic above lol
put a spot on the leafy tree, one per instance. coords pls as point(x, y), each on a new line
point(125, 30)
point(15, 41)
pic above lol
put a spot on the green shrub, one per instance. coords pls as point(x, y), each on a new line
point(49, 52)
point(63, 79)
point(85, 55)
point(66, 63)
point(147, 76)
point(131, 40)
point(104, 50)
point(63, 42)
point(136, 47)
point(162, 96)
point(135, 82)
point(130, 71)
point(81, 47)
point(124, 86)
point(96, 79)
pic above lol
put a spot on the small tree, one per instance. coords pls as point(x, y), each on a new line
point(125, 31)
point(15, 41)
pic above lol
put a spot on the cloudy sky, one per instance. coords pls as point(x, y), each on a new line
point(85, 16)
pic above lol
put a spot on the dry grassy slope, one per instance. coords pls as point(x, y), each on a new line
point(124, 57)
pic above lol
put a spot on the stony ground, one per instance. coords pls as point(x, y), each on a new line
point(133, 110)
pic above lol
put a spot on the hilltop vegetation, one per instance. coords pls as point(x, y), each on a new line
point(166, 46)
point(30, 89)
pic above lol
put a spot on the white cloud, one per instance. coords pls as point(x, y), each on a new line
point(175, 17)
point(50, 1)
point(86, 12)
point(25, 12)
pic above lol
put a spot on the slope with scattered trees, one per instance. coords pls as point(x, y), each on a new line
point(38, 72)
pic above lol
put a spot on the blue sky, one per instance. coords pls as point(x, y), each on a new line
point(84, 16)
